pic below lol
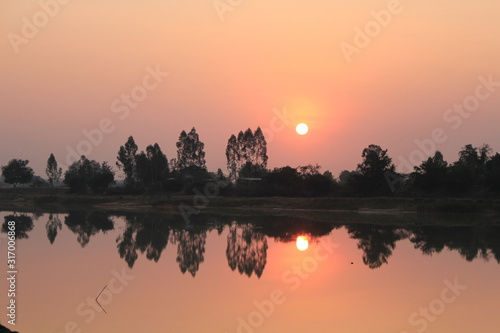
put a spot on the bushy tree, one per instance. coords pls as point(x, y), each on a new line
point(371, 172)
point(84, 174)
point(470, 169)
point(431, 174)
point(53, 172)
point(493, 172)
point(190, 151)
point(17, 172)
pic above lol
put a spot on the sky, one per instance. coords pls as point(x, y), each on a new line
point(410, 76)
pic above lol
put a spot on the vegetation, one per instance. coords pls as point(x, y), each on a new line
point(17, 172)
point(85, 174)
point(53, 172)
point(476, 173)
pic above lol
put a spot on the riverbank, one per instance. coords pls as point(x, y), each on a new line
point(58, 199)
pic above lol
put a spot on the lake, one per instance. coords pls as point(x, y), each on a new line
point(94, 271)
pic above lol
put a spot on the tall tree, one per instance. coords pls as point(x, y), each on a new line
point(53, 172)
point(17, 172)
point(233, 157)
point(159, 164)
point(126, 159)
point(152, 166)
point(248, 148)
point(260, 156)
point(190, 151)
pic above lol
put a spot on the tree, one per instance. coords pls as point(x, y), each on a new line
point(431, 174)
point(470, 169)
point(85, 173)
point(232, 156)
point(17, 172)
point(190, 151)
point(371, 179)
point(52, 171)
point(248, 147)
point(152, 167)
point(493, 172)
point(126, 159)
point(102, 178)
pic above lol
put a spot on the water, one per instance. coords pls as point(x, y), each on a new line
point(130, 272)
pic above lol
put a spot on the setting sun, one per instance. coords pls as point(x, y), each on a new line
point(302, 243)
point(302, 128)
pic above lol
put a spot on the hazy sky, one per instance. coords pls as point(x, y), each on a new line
point(231, 63)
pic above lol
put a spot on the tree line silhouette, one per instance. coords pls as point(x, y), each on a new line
point(477, 171)
point(247, 240)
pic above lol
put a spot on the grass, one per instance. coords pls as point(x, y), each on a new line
point(59, 200)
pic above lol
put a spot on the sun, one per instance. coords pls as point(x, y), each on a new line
point(302, 128)
point(302, 243)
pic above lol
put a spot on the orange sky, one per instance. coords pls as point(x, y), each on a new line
point(227, 75)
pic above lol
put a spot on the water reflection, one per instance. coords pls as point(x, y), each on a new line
point(470, 242)
point(302, 243)
point(376, 242)
point(144, 233)
point(190, 249)
point(86, 224)
point(24, 224)
point(53, 226)
point(246, 249)
point(247, 238)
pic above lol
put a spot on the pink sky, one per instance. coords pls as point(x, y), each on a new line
point(228, 74)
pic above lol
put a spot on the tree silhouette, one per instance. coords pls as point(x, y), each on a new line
point(17, 172)
point(248, 149)
point(52, 171)
point(126, 159)
point(152, 166)
point(370, 178)
point(493, 172)
point(85, 173)
point(190, 151)
point(431, 174)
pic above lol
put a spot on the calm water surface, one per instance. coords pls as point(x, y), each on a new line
point(98, 272)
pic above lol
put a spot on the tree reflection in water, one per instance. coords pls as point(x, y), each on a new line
point(53, 225)
point(145, 233)
point(470, 241)
point(24, 224)
point(86, 224)
point(246, 249)
point(190, 249)
point(377, 242)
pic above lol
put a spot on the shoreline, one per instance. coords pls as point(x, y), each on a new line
point(58, 199)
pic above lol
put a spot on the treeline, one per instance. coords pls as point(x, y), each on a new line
point(476, 172)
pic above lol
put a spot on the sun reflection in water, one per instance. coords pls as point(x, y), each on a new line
point(302, 243)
